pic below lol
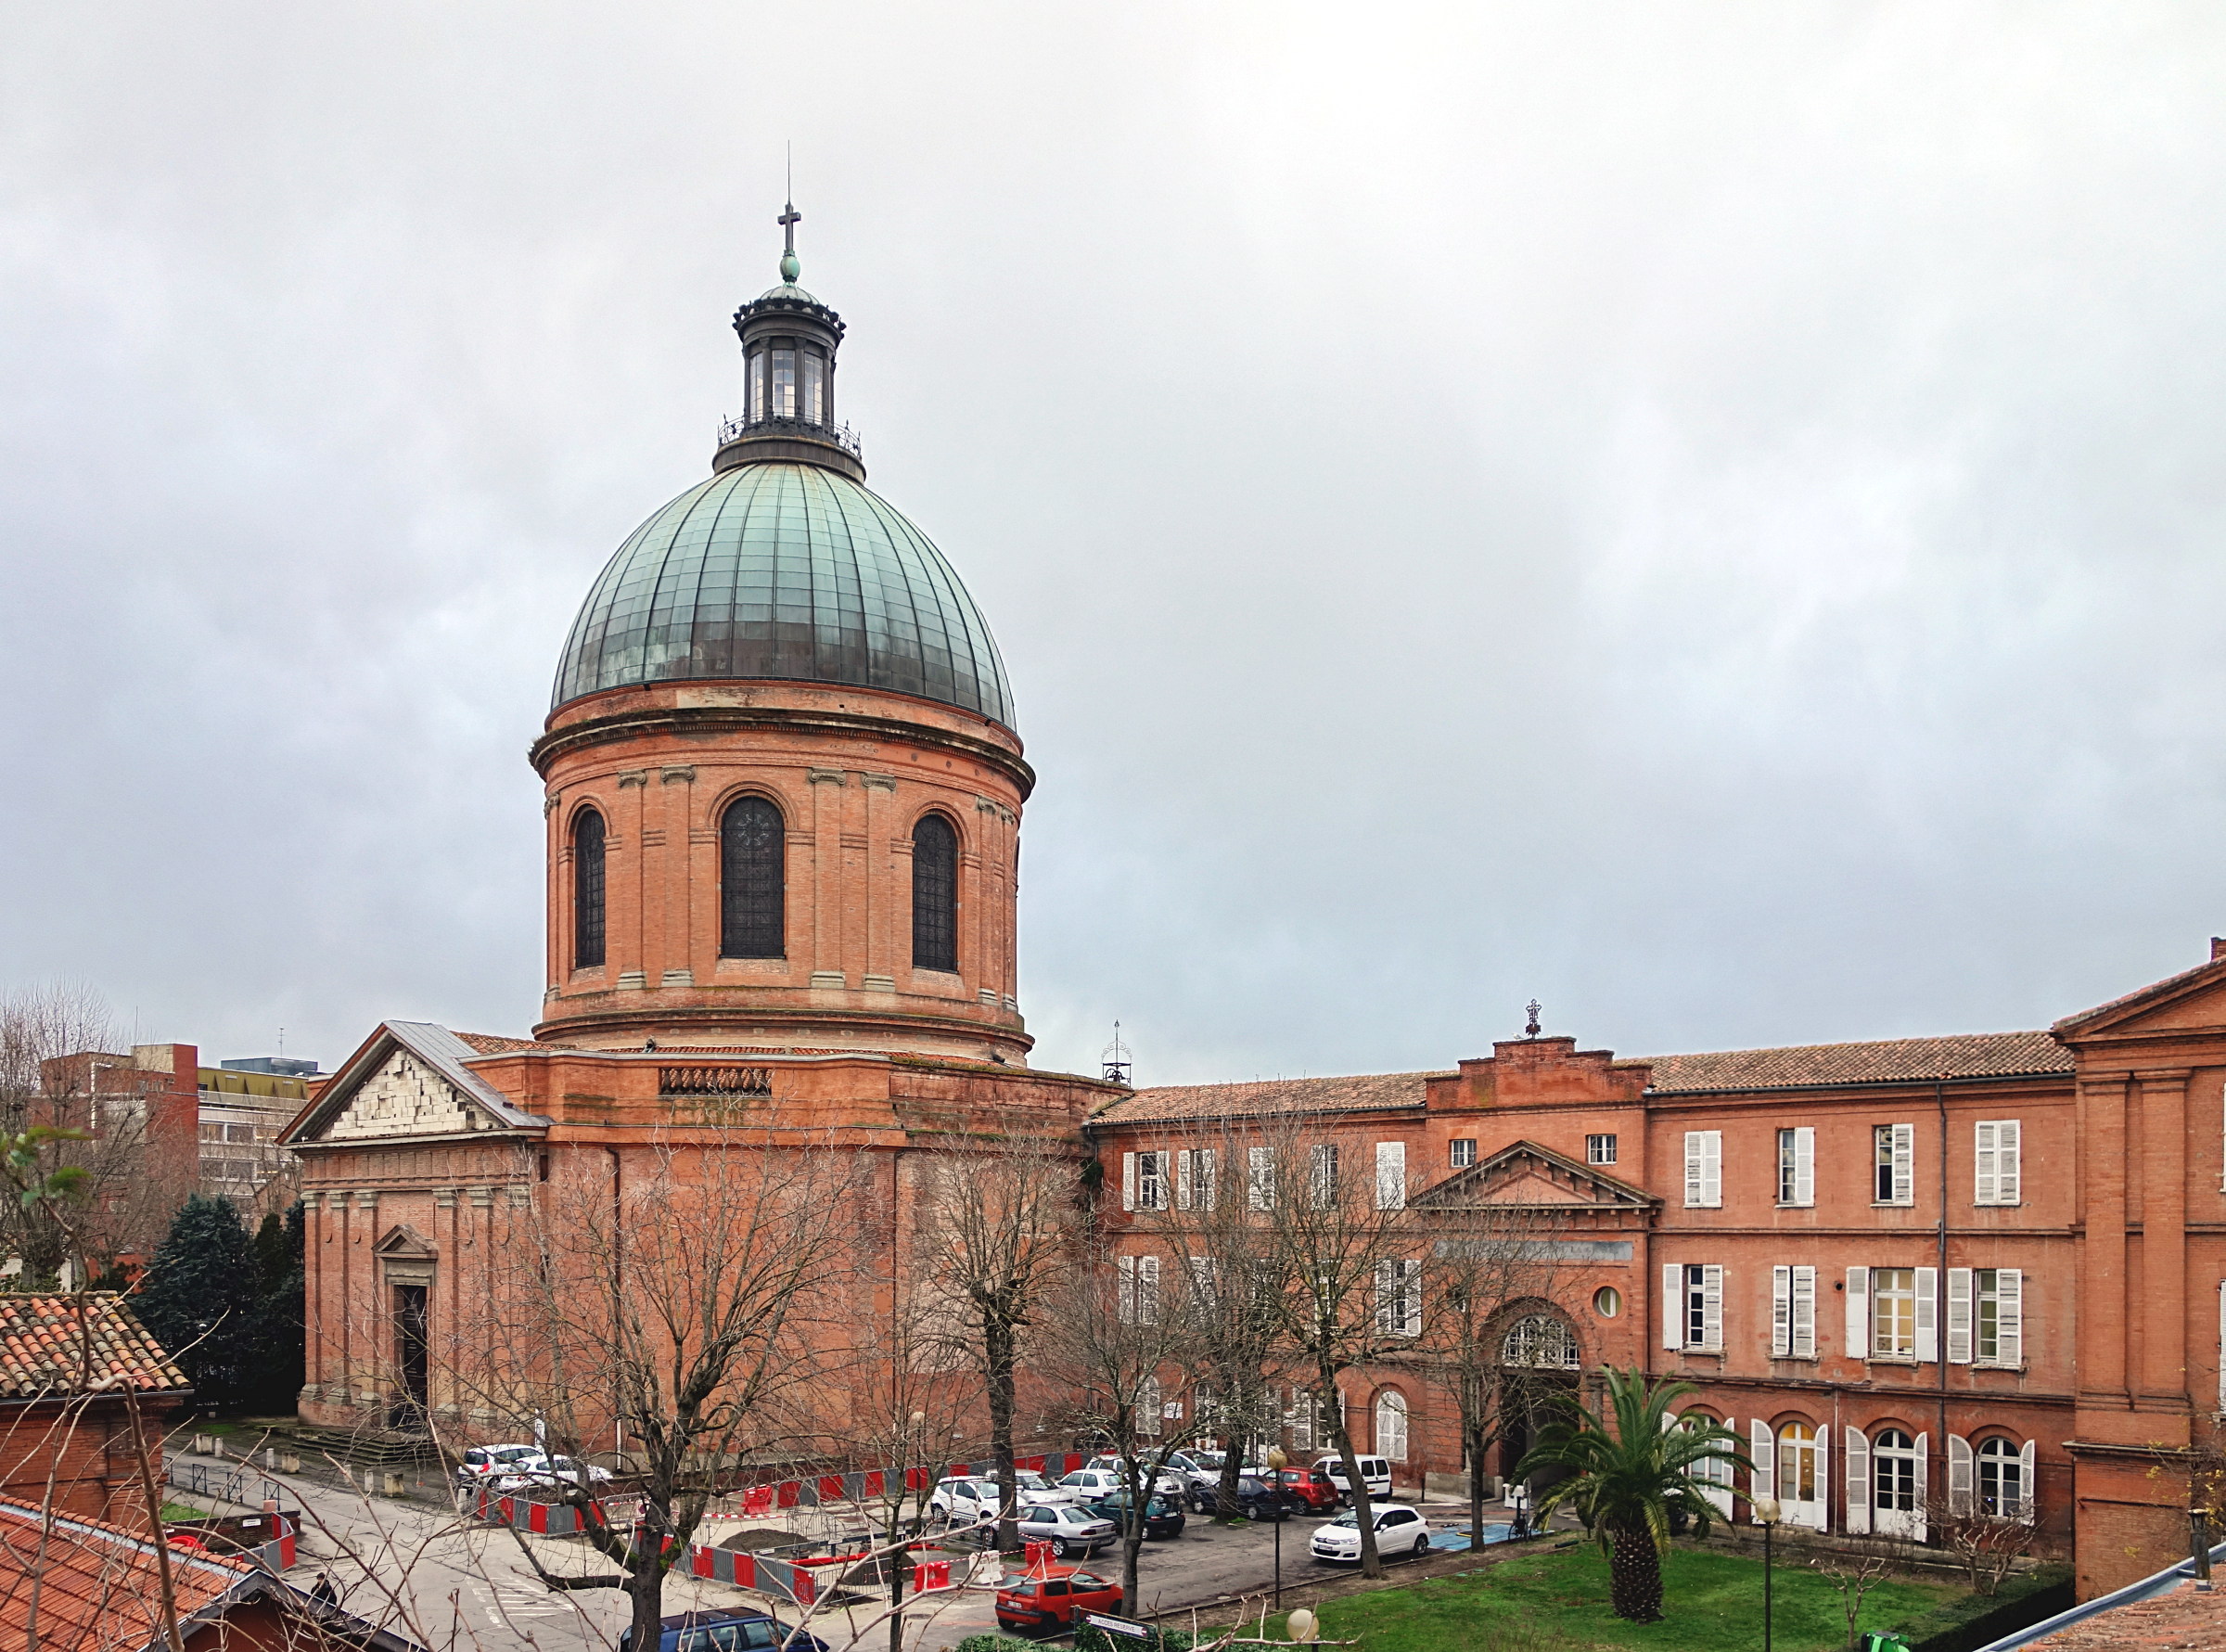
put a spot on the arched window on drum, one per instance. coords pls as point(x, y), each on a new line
point(753, 854)
point(934, 895)
point(1539, 1342)
point(587, 891)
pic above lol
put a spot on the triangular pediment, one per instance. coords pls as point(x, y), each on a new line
point(403, 1240)
point(1526, 1176)
point(2189, 1004)
point(410, 1079)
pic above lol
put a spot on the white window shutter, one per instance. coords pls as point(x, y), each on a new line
point(2028, 1488)
point(1858, 1482)
point(1762, 1478)
point(1781, 1312)
point(1390, 1175)
point(1126, 1265)
point(1127, 1180)
point(2222, 1345)
point(2008, 1162)
point(1859, 1313)
point(1411, 1321)
point(2009, 1316)
point(1905, 1162)
point(1182, 1178)
point(1804, 1165)
point(1959, 1316)
point(1207, 1192)
point(1959, 1475)
point(1383, 1299)
point(1986, 1184)
point(1712, 1168)
point(1147, 1291)
point(1693, 1140)
point(1711, 1307)
point(1924, 1469)
point(1804, 1313)
point(1259, 1190)
point(1928, 1329)
point(1674, 1315)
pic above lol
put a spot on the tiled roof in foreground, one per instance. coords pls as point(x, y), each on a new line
point(1885, 1061)
point(98, 1585)
point(1365, 1092)
point(42, 1351)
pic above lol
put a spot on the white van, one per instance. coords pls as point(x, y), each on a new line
point(1376, 1474)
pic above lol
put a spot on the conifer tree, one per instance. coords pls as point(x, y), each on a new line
point(198, 1298)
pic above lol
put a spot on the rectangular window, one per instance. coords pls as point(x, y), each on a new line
point(1259, 1178)
point(1390, 1175)
point(784, 384)
point(1464, 1151)
point(2000, 1175)
point(1147, 1291)
point(1704, 1169)
point(1793, 1313)
point(814, 388)
point(1151, 1181)
point(757, 385)
point(1125, 1271)
point(2000, 1315)
point(1323, 1175)
point(1797, 1166)
point(1599, 1150)
point(1398, 1298)
point(1901, 1324)
point(1893, 1162)
point(1699, 1296)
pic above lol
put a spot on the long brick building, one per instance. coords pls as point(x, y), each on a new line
point(783, 792)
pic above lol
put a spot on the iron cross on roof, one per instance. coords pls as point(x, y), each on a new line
point(789, 219)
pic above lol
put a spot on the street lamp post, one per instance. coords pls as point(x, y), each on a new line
point(1277, 1460)
point(1766, 1515)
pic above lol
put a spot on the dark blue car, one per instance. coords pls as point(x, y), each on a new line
point(726, 1631)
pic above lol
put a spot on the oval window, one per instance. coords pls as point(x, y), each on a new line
point(1607, 1302)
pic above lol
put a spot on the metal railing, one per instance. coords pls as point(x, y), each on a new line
point(226, 1485)
point(782, 424)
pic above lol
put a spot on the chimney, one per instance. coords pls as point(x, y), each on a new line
point(2217, 948)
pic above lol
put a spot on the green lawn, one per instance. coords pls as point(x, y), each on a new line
point(1711, 1602)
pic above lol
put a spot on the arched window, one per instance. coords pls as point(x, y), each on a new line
point(934, 895)
point(1539, 1341)
point(587, 891)
point(2002, 1488)
point(1391, 1426)
point(752, 855)
point(1894, 1473)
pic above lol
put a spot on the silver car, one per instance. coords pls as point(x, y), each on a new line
point(1070, 1531)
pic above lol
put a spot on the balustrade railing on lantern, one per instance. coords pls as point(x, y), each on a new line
point(782, 424)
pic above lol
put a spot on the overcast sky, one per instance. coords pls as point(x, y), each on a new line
point(1708, 516)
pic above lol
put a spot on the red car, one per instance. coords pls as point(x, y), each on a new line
point(1310, 1487)
point(1049, 1597)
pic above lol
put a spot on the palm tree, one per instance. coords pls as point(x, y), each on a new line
point(1626, 1484)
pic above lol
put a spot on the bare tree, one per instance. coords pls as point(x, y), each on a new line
point(1215, 1238)
point(701, 1304)
point(1855, 1565)
point(1348, 1259)
point(1987, 1543)
point(997, 1220)
point(1127, 1349)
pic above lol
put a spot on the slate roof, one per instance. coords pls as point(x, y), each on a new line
point(98, 1586)
point(1884, 1061)
point(42, 1353)
point(1354, 1093)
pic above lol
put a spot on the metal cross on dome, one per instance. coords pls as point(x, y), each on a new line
point(789, 219)
point(1532, 1008)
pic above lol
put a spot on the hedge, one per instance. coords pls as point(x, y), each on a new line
point(994, 1643)
point(1973, 1620)
point(1088, 1637)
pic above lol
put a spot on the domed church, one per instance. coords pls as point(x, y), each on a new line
point(783, 788)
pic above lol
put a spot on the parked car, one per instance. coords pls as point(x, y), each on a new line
point(1069, 1528)
point(1261, 1500)
point(1399, 1530)
point(552, 1476)
point(963, 1499)
point(483, 1460)
point(1310, 1488)
point(1105, 1476)
point(725, 1631)
point(1034, 1491)
point(1162, 1516)
point(1376, 1474)
point(1049, 1599)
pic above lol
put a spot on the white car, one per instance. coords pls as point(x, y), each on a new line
point(1035, 1491)
point(1376, 1474)
point(483, 1460)
point(1399, 1530)
point(962, 1499)
point(1070, 1531)
point(550, 1474)
point(1104, 1477)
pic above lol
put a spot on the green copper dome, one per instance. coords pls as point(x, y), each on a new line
point(787, 571)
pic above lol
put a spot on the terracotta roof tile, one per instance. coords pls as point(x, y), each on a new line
point(497, 1044)
point(1892, 1060)
point(41, 1352)
point(1366, 1092)
point(96, 1581)
point(2178, 1617)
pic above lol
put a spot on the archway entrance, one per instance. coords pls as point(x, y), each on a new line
point(1539, 1362)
